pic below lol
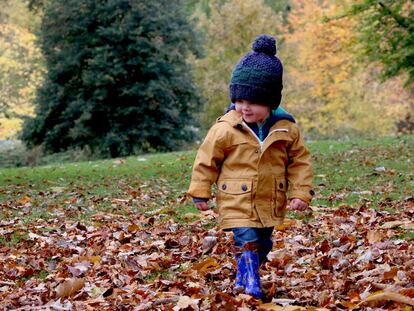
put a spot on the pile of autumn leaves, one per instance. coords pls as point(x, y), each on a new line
point(338, 258)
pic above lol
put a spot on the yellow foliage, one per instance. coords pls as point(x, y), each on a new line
point(21, 72)
point(327, 87)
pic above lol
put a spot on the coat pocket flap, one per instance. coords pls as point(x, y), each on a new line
point(235, 186)
point(281, 184)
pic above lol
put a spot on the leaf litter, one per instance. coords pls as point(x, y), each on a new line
point(342, 258)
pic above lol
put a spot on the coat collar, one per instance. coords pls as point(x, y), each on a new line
point(282, 127)
point(233, 118)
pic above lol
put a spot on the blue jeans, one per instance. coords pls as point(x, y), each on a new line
point(261, 236)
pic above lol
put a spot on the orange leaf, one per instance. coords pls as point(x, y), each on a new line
point(24, 200)
point(408, 292)
point(207, 265)
point(389, 275)
point(132, 228)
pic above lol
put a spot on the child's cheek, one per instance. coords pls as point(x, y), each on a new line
point(239, 112)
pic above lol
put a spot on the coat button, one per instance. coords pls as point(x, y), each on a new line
point(280, 186)
point(257, 151)
point(224, 186)
point(244, 187)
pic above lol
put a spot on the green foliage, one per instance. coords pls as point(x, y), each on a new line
point(197, 5)
point(387, 34)
point(280, 6)
point(117, 81)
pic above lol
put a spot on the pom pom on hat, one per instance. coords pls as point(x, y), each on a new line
point(258, 76)
point(265, 44)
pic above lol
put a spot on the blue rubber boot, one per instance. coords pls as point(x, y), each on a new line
point(239, 284)
point(252, 283)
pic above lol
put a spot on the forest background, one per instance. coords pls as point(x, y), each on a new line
point(348, 64)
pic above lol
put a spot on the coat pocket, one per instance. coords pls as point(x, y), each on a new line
point(280, 199)
point(234, 198)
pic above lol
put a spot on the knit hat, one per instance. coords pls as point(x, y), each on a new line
point(258, 75)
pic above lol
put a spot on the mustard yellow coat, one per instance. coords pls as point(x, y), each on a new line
point(254, 179)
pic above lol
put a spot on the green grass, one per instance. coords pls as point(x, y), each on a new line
point(375, 173)
point(14, 238)
point(358, 171)
point(81, 189)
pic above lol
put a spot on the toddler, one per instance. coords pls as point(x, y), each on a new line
point(256, 156)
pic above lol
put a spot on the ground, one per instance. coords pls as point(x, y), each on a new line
point(121, 235)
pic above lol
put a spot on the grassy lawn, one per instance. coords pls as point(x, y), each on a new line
point(80, 189)
point(369, 172)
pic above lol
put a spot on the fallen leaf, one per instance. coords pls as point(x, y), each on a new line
point(24, 200)
point(392, 224)
point(374, 236)
point(408, 226)
point(274, 307)
point(185, 302)
point(208, 243)
point(69, 287)
point(132, 228)
point(209, 264)
point(382, 295)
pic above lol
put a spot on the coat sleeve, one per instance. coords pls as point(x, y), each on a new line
point(207, 164)
point(299, 170)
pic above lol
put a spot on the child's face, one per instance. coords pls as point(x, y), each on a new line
point(252, 112)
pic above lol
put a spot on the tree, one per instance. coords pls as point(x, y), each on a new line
point(21, 65)
point(229, 30)
point(386, 33)
point(117, 77)
point(327, 88)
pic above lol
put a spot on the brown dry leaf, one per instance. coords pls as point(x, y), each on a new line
point(69, 287)
point(281, 227)
point(207, 265)
point(208, 243)
point(408, 226)
point(389, 275)
point(382, 295)
point(132, 228)
point(94, 259)
point(374, 236)
point(274, 307)
point(409, 292)
point(392, 224)
point(24, 200)
point(185, 302)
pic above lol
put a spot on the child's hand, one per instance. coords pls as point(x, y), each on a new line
point(202, 206)
point(297, 205)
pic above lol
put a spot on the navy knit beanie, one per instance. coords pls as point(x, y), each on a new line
point(257, 77)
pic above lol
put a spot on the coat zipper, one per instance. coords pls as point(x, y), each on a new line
point(261, 143)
